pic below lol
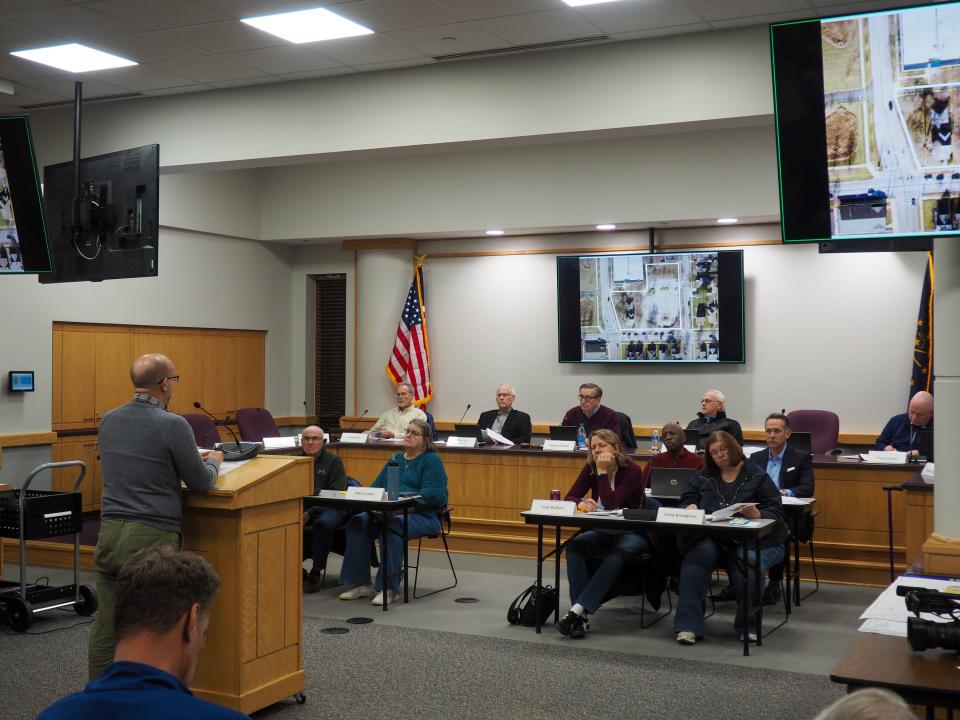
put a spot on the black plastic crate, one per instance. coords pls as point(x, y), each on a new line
point(45, 514)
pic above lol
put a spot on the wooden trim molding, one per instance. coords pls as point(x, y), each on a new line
point(380, 244)
point(28, 439)
point(597, 250)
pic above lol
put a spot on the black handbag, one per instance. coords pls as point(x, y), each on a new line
point(530, 604)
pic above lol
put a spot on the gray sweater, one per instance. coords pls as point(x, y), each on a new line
point(144, 453)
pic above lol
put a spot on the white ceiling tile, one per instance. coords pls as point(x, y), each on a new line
point(760, 20)
point(154, 15)
point(390, 15)
point(540, 27)
point(63, 86)
point(141, 78)
point(483, 9)
point(253, 8)
point(450, 39)
point(662, 32)
point(26, 95)
point(730, 9)
point(284, 60)
point(365, 49)
point(196, 87)
point(150, 47)
point(224, 84)
point(225, 37)
point(12, 6)
point(326, 72)
point(832, 8)
point(73, 22)
point(621, 17)
point(209, 69)
point(21, 37)
point(369, 67)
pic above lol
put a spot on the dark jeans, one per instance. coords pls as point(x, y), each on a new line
point(615, 551)
point(322, 524)
point(363, 528)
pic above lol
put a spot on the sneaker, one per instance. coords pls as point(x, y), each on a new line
point(580, 627)
point(772, 594)
point(360, 591)
point(566, 622)
point(685, 637)
point(752, 637)
point(378, 598)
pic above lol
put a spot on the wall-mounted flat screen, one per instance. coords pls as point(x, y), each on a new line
point(866, 116)
point(20, 381)
point(683, 307)
point(23, 238)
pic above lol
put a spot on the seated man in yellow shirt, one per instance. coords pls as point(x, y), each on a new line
point(393, 423)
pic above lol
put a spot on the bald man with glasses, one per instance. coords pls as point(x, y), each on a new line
point(511, 423)
point(328, 474)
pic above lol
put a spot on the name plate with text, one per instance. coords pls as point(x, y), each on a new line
point(553, 507)
point(559, 445)
point(366, 493)
point(680, 516)
point(350, 437)
point(892, 457)
point(454, 441)
point(332, 494)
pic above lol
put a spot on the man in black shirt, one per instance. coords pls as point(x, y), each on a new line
point(328, 474)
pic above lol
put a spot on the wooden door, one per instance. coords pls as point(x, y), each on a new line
point(185, 349)
point(219, 373)
point(77, 378)
point(82, 448)
point(114, 356)
point(250, 367)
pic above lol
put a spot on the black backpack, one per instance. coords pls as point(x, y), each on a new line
point(529, 605)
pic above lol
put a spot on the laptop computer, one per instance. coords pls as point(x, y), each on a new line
point(669, 483)
point(563, 432)
point(800, 441)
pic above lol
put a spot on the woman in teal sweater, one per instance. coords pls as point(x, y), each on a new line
point(421, 473)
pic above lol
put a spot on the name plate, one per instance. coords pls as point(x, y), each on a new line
point(332, 494)
point(554, 507)
point(680, 516)
point(454, 441)
point(352, 437)
point(366, 493)
point(559, 445)
point(893, 457)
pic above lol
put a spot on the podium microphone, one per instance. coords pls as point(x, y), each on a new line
point(464, 414)
point(239, 450)
point(355, 421)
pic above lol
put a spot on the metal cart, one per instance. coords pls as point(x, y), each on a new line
point(33, 515)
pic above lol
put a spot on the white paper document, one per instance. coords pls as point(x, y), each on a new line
point(498, 438)
point(231, 465)
point(790, 500)
point(890, 457)
point(887, 615)
point(729, 511)
point(277, 443)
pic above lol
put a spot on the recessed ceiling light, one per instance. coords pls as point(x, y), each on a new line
point(606, 226)
point(494, 232)
point(727, 221)
point(305, 26)
point(74, 58)
point(577, 3)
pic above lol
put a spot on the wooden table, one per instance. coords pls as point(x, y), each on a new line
point(930, 678)
point(490, 487)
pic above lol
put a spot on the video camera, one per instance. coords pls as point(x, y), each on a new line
point(926, 634)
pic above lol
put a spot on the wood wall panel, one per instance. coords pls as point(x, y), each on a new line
point(114, 356)
point(293, 564)
point(76, 382)
point(270, 584)
point(187, 355)
point(249, 589)
point(219, 373)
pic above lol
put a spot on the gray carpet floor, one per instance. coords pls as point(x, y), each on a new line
point(376, 670)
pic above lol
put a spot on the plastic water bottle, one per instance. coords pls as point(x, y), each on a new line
point(393, 479)
point(581, 438)
point(655, 445)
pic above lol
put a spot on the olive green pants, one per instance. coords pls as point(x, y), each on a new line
point(118, 540)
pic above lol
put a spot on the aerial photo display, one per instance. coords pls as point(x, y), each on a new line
point(890, 103)
point(650, 307)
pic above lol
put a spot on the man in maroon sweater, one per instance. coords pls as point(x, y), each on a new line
point(591, 413)
point(675, 455)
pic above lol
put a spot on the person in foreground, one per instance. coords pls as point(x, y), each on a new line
point(727, 478)
point(328, 474)
point(422, 473)
point(145, 452)
point(161, 615)
point(868, 704)
point(614, 482)
point(902, 432)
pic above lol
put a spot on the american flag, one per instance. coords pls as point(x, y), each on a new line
point(410, 359)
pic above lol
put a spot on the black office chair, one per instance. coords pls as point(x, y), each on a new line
point(445, 527)
point(626, 431)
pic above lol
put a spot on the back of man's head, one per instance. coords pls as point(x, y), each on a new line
point(868, 704)
point(157, 586)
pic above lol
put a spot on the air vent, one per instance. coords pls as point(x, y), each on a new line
point(524, 48)
point(86, 101)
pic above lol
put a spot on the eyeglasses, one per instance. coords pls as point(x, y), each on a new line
point(709, 400)
point(504, 395)
point(171, 378)
point(414, 433)
point(311, 438)
point(588, 397)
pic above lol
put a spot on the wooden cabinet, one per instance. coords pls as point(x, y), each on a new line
point(74, 379)
point(114, 356)
point(82, 447)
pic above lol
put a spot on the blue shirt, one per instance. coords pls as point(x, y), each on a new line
point(132, 690)
point(774, 464)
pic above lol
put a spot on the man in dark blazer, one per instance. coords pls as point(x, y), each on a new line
point(792, 471)
point(512, 424)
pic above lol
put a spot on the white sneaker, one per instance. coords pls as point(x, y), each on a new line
point(378, 598)
point(685, 637)
point(355, 593)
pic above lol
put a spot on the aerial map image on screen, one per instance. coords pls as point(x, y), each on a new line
point(649, 307)
point(890, 102)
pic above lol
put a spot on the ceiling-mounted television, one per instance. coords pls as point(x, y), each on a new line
point(681, 307)
point(867, 135)
point(112, 232)
point(23, 238)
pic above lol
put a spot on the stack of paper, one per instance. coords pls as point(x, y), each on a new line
point(888, 614)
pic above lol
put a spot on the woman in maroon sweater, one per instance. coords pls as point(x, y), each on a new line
point(614, 482)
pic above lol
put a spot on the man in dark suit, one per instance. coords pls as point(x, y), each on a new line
point(792, 471)
point(512, 424)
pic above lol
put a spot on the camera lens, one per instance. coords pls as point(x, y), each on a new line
point(925, 634)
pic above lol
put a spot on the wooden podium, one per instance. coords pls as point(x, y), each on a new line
point(251, 529)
